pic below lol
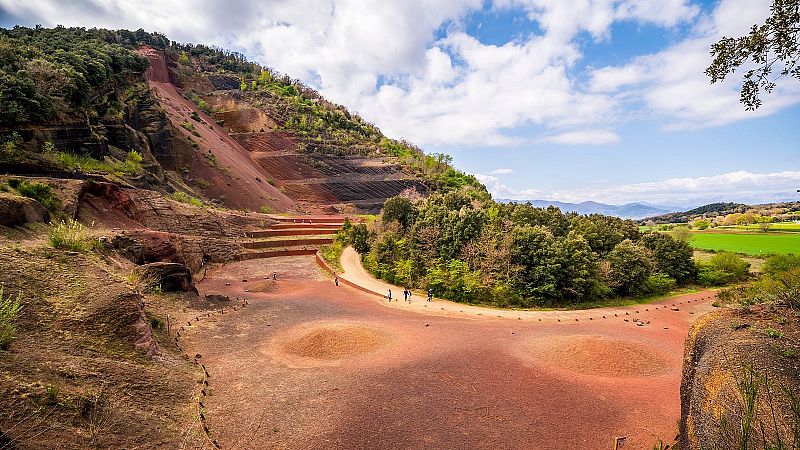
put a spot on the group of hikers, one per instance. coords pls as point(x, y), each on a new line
point(406, 292)
point(407, 295)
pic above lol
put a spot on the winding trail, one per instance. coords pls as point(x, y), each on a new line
point(353, 271)
point(311, 365)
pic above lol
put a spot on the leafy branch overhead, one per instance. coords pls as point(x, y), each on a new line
point(771, 48)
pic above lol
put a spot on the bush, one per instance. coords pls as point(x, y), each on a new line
point(70, 235)
point(659, 283)
point(731, 263)
point(10, 308)
point(40, 192)
point(781, 263)
point(188, 199)
point(709, 276)
point(332, 254)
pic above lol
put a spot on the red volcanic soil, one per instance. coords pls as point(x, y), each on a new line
point(227, 168)
point(311, 365)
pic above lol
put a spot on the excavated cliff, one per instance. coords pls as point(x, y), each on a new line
point(740, 380)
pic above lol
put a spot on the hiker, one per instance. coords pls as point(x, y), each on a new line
point(274, 276)
point(430, 294)
point(409, 295)
point(405, 294)
point(390, 295)
point(336, 280)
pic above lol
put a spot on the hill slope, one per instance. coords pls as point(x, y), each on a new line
point(202, 121)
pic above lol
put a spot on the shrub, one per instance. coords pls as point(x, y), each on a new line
point(186, 198)
point(781, 263)
point(40, 192)
point(132, 164)
point(731, 263)
point(713, 277)
point(195, 116)
point(659, 283)
point(10, 308)
point(71, 235)
point(332, 253)
point(266, 209)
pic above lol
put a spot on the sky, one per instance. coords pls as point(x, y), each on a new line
point(601, 100)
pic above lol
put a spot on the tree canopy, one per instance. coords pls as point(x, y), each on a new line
point(769, 48)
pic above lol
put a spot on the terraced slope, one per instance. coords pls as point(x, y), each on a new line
point(317, 181)
point(290, 236)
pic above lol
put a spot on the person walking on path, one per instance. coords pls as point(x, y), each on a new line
point(430, 294)
point(390, 295)
point(409, 294)
point(274, 276)
point(405, 294)
point(336, 280)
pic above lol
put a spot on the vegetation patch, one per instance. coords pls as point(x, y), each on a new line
point(40, 192)
point(10, 308)
point(71, 235)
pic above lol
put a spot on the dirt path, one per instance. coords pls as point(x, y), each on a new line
point(311, 365)
point(354, 272)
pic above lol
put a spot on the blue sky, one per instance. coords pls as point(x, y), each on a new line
point(599, 100)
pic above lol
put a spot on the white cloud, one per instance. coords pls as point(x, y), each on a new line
point(455, 90)
point(732, 186)
point(672, 83)
point(585, 137)
point(451, 91)
point(502, 171)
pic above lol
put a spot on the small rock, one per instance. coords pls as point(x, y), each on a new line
point(427, 324)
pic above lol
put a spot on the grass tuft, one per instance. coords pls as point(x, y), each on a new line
point(10, 308)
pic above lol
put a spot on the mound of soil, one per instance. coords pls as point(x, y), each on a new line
point(335, 342)
point(604, 357)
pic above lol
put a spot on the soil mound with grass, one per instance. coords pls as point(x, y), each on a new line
point(598, 356)
point(335, 342)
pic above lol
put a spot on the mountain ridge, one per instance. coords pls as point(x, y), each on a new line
point(633, 210)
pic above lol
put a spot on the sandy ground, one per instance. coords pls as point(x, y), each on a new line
point(311, 365)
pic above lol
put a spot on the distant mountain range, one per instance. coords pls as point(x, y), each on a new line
point(626, 211)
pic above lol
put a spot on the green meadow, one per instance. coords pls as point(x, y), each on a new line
point(755, 244)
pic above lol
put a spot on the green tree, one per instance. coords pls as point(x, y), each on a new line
point(671, 256)
point(359, 238)
point(771, 46)
point(629, 267)
point(533, 251)
point(400, 209)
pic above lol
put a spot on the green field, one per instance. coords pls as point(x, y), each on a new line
point(748, 243)
point(780, 226)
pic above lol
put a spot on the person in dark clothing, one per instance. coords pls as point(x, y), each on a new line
point(405, 294)
point(390, 295)
point(430, 294)
point(336, 280)
point(274, 276)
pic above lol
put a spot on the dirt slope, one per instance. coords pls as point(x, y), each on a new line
point(212, 157)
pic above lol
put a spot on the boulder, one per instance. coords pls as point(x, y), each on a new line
point(171, 276)
point(16, 210)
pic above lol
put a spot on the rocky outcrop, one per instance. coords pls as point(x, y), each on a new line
point(169, 276)
point(728, 354)
point(146, 116)
point(16, 210)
